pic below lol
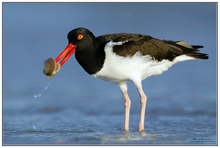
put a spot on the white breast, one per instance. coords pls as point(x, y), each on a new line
point(136, 68)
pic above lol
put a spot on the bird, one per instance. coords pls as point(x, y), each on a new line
point(122, 57)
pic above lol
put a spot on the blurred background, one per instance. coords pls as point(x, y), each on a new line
point(33, 32)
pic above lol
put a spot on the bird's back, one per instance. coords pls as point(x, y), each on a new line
point(147, 45)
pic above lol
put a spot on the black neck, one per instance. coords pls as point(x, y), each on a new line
point(92, 59)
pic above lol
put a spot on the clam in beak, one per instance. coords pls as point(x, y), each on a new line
point(52, 66)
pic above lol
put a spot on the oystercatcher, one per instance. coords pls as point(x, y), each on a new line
point(121, 57)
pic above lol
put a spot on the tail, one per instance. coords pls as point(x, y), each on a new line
point(194, 52)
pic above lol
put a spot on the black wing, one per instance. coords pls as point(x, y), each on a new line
point(147, 45)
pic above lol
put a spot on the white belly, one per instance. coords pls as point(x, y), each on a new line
point(136, 68)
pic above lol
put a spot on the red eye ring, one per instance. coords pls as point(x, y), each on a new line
point(80, 37)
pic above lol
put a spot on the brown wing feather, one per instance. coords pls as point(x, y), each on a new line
point(146, 45)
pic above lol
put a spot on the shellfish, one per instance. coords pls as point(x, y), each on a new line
point(51, 67)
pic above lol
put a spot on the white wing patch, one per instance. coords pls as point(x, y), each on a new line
point(183, 43)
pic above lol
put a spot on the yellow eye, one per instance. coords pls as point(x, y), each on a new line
point(80, 37)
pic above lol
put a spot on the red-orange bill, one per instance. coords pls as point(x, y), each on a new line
point(66, 53)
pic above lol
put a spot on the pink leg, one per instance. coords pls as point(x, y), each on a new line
point(143, 101)
point(127, 104)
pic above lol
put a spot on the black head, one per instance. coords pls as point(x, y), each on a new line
point(82, 38)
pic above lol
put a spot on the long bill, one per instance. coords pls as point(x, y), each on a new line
point(66, 53)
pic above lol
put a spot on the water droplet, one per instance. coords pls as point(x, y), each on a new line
point(39, 95)
point(46, 88)
point(34, 127)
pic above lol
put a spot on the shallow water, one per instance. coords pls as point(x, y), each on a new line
point(40, 121)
